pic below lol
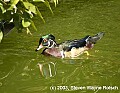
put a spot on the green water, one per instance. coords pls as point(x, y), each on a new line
point(19, 72)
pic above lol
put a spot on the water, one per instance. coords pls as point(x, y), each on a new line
point(19, 70)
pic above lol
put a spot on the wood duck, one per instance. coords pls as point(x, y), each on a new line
point(69, 48)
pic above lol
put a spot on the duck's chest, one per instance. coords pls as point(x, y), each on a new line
point(53, 52)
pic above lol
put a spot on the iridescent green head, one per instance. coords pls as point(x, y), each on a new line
point(46, 41)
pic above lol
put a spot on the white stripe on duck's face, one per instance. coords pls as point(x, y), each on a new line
point(75, 52)
point(46, 44)
point(51, 43)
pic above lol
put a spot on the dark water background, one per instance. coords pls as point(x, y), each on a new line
point(19, 72)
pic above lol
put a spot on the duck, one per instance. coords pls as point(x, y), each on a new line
point(69, 48)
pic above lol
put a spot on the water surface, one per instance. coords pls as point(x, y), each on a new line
point(72, 19)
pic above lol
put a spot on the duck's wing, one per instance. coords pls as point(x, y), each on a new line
point(68, 45)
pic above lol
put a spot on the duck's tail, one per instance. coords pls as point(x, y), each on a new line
point(91, 40)
point(95, 38)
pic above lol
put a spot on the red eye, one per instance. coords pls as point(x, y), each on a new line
point(45, 40)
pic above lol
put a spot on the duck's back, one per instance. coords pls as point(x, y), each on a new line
point(76, 43)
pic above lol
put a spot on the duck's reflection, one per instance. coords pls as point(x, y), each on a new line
point(47, 69)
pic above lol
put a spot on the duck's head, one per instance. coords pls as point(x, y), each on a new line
point(47, 41)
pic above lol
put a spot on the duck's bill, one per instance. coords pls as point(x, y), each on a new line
point(39, 47)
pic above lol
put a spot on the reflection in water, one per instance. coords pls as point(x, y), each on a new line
point(69, 61)
point(47, 69)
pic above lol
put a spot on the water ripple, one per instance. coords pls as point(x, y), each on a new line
point(10, 72)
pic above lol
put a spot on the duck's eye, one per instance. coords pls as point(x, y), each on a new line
point(45, 40)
